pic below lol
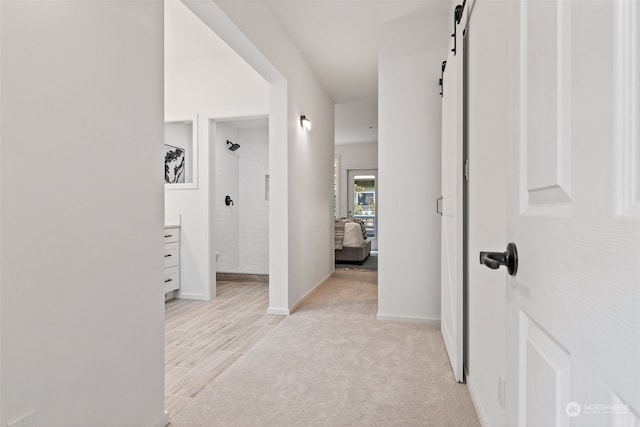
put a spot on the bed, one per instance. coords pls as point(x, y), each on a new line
point(351, 244)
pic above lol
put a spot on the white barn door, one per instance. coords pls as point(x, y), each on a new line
point(451, 286)
point(573, 308)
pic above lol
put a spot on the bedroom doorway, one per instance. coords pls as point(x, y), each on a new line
point(362, 187)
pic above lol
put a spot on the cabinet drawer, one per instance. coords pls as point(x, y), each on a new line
point(171, 254)
point(171, 235)
point(171, 279)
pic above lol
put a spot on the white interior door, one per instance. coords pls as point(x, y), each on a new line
point(573, 309)
point(451, 225)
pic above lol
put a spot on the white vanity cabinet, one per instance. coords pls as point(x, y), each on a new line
point(171, 259)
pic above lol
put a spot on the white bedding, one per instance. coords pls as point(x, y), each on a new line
point(352, 234)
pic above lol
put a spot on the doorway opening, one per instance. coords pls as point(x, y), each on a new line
point(240, 198)
point(362, 198)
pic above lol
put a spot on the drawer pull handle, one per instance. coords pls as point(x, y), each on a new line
point(168, 235)
point(167, 255)
point(168, 280)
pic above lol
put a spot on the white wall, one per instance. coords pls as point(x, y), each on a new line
point(254, 208)
point(354, 117)
point(353, 156)
point(227, 174)
point(81, 214)
point(487, 105)
point(219, 87)
point(300, 162)
point(411, 52)
point(311, 155)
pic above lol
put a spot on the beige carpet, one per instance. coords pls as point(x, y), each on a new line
point(332, 363)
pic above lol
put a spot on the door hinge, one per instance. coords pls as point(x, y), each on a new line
point(466, 170)
point(457, 18)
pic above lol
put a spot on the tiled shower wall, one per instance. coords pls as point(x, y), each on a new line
point(254, 213)
point(242, 230)
point(227, 183)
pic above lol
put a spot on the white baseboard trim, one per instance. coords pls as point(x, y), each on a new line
point(476, 402)
point(198, 297)
point(278, 311)
point(408, 319)
point(308, 294)
point(162, 421)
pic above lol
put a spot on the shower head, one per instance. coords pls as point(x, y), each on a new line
point(232, 146)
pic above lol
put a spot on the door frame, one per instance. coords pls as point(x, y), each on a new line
point(465, 207)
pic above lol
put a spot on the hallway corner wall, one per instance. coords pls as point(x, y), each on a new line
point(81, 215)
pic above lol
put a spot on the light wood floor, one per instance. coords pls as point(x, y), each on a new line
point(202, 339)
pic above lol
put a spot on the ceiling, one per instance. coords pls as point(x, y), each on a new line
point(338, 38)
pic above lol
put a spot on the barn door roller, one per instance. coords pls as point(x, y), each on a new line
point(457, 17)
point(444, 65)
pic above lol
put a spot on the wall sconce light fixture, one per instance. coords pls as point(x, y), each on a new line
point(305, 123)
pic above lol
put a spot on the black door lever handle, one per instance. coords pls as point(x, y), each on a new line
point(508, 258)
point(493, 260)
